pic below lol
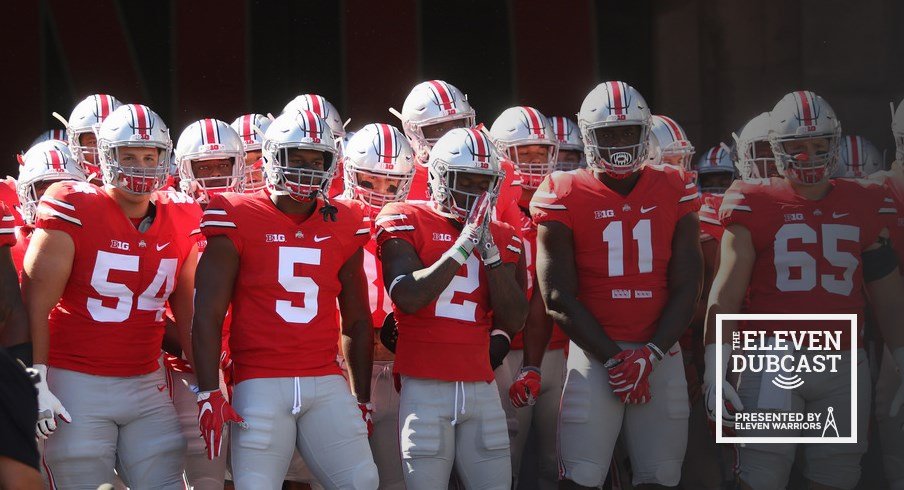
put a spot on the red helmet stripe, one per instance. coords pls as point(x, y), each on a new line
point(142, 121)
point(559, 123)
point(56, 160)
point(313, 130)
point(854, 144)
point(618, 104)
point(247, 132)
point(387, 137)
point(104, 106)
point(806, 108)
point(445, 98)
point(210, 133)
point(713, 156)
point(533, 117)
point(677, 134)
point(316, 105)
point(480, 146)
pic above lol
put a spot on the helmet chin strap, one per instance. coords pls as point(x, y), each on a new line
point(328, 211)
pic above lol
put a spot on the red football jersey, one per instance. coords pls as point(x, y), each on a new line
point(284, 309)
point(109, 321)
point(622, 244)
point(7, 226)
point(710, 226)
point(808, 253)
point(529, 240)
point(449, 338)
point(10, 197)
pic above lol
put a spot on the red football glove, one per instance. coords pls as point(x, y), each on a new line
point(526, 388)
point(213, 414)
point(628, 376)
point(367, 413)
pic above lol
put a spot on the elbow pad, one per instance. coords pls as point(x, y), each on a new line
point(879, 262)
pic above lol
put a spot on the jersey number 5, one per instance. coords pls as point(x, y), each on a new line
point(288, 258)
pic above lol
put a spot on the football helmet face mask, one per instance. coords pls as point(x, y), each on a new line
point(462, 167)
point(207, 140)
point(379, 166)
point(858, 158)
point(669, 144)
point(134, 126)
point(569, 137)
point(520, 127)
point(252, 139)
point(617, 114)
point(430, 106)
point(715, 170)
point(286, 174)
point(85, 119)
point(805, 135)
point(44, 163)
point(755, 159)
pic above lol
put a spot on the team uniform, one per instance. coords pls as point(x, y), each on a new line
point(105, 338)
point(807, 259)
point(449, 409)
point(284, 342)
point(541, 418)
point(622, 248)
point(10, 198)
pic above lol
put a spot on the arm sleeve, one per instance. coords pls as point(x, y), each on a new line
point(736, 206)
point(220, 219)
point(62, 206)
point(7, 227)
point(550, 200)
point(395, 221)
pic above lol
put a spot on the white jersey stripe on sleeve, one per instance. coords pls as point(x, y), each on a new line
point(689, 197)
point(736, 207)
point(709, 220)
point(399, 228)
point(545, 195)
point(62, 204)
point(549, 206)
point(218, 212)
point(7, 231)
point(389, 217)
point(44, 208)
point(513, 249)
point(224, 224)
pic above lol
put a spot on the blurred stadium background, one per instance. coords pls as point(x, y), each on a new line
point(711, 64)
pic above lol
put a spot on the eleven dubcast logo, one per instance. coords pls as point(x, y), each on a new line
point(781, 371)
point(760, 353)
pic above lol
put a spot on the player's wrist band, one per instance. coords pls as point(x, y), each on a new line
point(530, 368)
point(501, 332)
point(458, 253)
point(656, 350)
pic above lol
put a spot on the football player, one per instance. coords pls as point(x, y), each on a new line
point(51, 134)
point(283, 257)
point(754, 153)
point(715, 171)
point(858, 158)
point(530, 378)
point(18, 453)
point(251, 129)
point(456, 280)
point(102, 265)
point(669, 144)
point(379, 165)
point(84, 120)
point(619, 266)
point(327, 111)
point(432, 109)
point(571, 148)
point(804, 244)
point(891, 422)
point(210, 160)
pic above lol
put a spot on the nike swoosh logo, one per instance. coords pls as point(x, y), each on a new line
point(319, 239)
point(161, 247)
point(839, 215)
point(643, 369)
point(161, 387)
point(207, 407)
point(644, 210)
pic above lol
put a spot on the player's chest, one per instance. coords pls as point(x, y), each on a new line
point(622, 226)
point(273, 252)
point(822, 228)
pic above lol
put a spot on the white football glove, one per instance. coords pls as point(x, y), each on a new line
point(898, 400)
point(49, 407)
point(732, 402)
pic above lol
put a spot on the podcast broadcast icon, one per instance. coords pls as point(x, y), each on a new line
point(779, 364)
